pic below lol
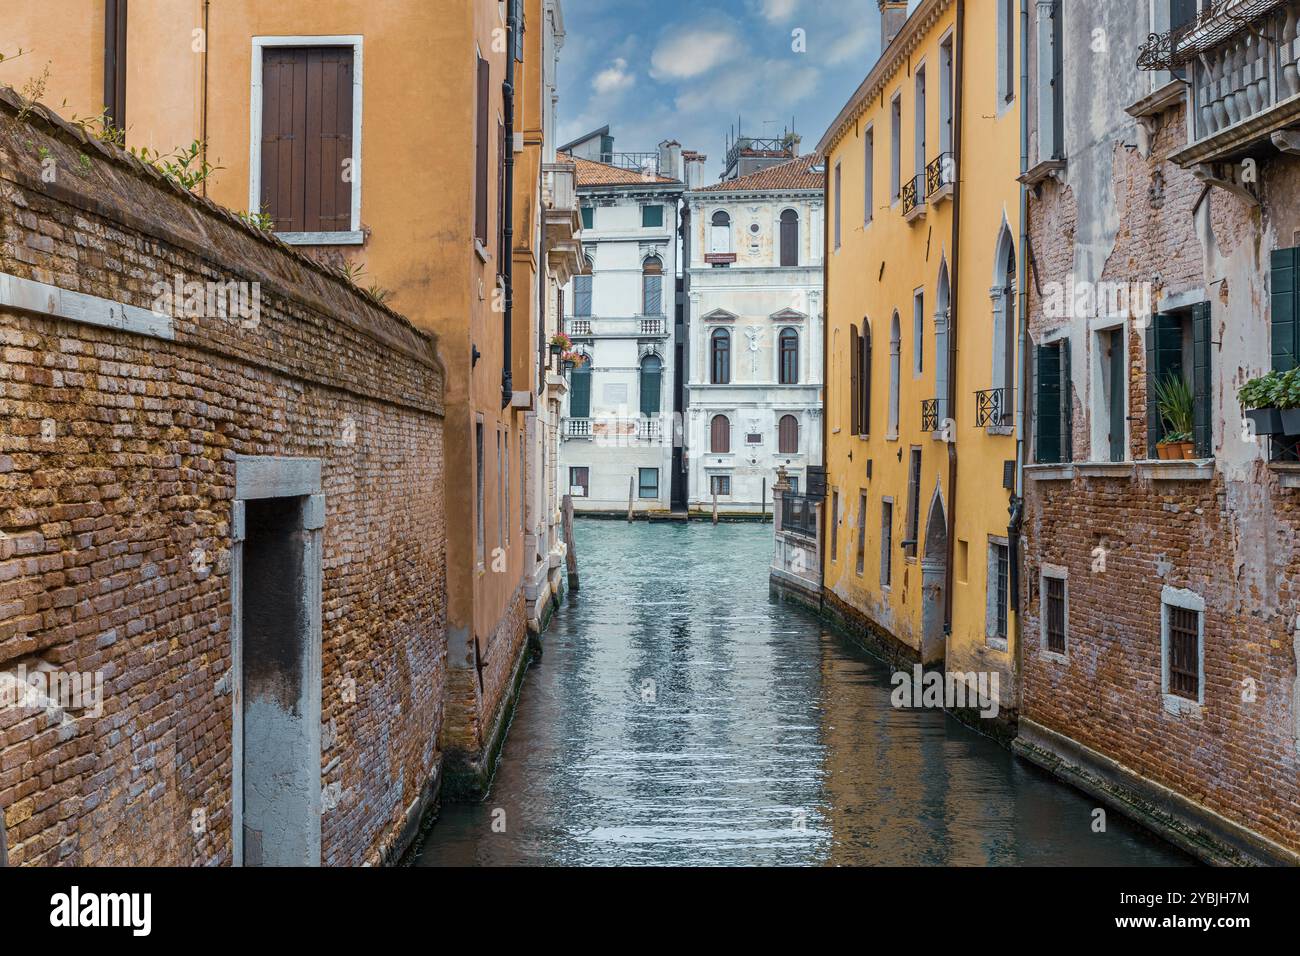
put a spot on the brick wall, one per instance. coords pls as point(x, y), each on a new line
point(1229, 537)
point(117, 468)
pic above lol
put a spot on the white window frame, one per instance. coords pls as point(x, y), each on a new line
point(896, 148)
point(918, 331)
point(887, 545)
point(991, 637)
point(354, 236)
point(1061, 574)
point(869, 174)
point(1191, 601)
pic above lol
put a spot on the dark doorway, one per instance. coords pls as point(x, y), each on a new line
point(281, 689)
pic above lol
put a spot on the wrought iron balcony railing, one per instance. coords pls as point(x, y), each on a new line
point(939, 172)
point(989, 407)
point(930, 415)
point(913, 198)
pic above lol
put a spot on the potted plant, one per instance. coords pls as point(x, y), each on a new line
point(1261, 398)
point(573, 359)
point(560, 343)
point(1175, 404)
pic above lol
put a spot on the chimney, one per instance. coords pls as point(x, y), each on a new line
point(670, 159)
point(693, 164)
point(893, 14)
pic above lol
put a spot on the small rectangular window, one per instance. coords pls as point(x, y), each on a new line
point(479, 529)
point(895, 148)
point(838, 196)
point(1054, 600)
point(886, 543)
point(1183, 650)
point(652, 217)
point(869, 176)
point(918, 332)
point(1000, 569)
point(913, 502)
point(720, 485)
point(588, 217)
point(482, 150)
point(862, 532)
point(835, 525)
point(648, 486)
point(578, 485)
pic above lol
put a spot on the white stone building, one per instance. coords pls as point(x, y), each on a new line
point(617, 434)
point(754, 247)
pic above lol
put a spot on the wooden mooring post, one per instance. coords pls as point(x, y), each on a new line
point(571, 550)
point(715, 506)
point(764, 518)
point(631, 487)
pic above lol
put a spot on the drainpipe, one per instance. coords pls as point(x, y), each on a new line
point(508, 206)
point(1017, 504)
point(203, 130)
point(826, 354)
point(953, 313)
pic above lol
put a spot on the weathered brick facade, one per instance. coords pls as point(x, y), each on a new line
point(117, 479)
point(1221, 778)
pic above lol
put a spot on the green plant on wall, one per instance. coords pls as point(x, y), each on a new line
point(1274, 390)
point(1175, 402)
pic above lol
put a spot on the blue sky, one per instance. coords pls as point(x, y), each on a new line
point(684, 69)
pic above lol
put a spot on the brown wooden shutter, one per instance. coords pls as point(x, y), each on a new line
point(788, 435)
point(306, 138)
point(720, 435)
point(481, 152)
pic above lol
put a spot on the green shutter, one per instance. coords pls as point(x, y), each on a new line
point(864, 370)
point(588, 217)
point(1047, 411)
point(582, 296)
point(1286, 309)
point(1164, 358)
point(1067, 404)
point(1202, 425)
point(580, 391)
point(652, 217)
point(651, 376)
point(855, 397)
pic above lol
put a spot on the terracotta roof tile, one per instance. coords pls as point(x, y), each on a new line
point(590, 173)
point(794, 174)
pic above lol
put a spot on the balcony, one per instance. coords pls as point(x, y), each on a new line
point(614, 431)
point(940, 174)
point(991, 408)
point(913, 198)
point(563, 224)
point(618, 327)
point(799, 515)
point(1242, 60)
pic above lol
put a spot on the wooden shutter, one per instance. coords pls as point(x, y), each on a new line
point(307, 138)
point(864, 365)
point(651, 376)
point(1202, 387)
point(654, 294)
point(484, 103)
point(580, 391)
point(1285, 308)
point(1047, 412)
point(788, 435)
point(1067, 403)
point(1058, 82)
point(855, 398)
point(720, 435)
point(789, 238)
point(1164, 357)
point(582, 295)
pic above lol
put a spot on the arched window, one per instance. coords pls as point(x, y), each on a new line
point(1004, 323)
point(652, 286)
point(788, 435)
point(895, 350)
point(720, 232)
point(720, 357)
point(789, 351)
point(720, 435)
point(651, 377)
point(789, 238)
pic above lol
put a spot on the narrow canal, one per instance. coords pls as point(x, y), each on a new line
point(679, 716)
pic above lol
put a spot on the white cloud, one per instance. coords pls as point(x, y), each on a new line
point(693, 52)
point(777, 10)
point(850, 44)
point(615, 78)
point(772, 83)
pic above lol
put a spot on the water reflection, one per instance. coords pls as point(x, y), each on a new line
point(679, 716)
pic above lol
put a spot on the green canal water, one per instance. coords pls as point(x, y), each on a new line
point(679, 716)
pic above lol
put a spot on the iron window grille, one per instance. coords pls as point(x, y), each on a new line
point(1055, 611)
point(989, 404)
point(1184, 652)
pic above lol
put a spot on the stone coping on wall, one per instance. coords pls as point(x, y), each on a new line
point(102, 180)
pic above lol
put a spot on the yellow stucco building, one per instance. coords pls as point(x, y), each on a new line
point(379, 137)
point(922, 391)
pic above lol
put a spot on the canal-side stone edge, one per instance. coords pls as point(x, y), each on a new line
point(1204, 834)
